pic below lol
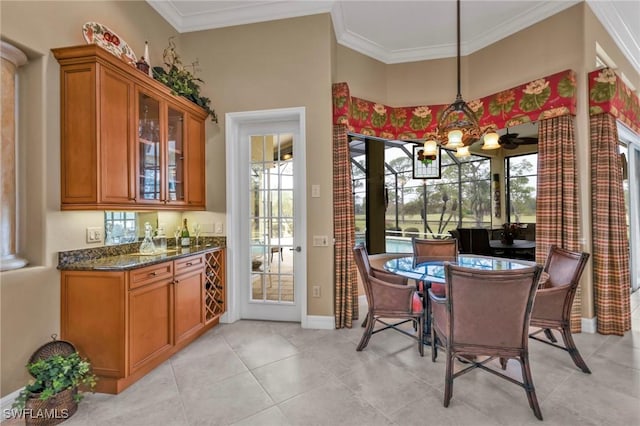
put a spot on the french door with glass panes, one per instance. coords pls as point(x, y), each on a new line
point(270, 290)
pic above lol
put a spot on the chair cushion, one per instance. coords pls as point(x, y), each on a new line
point(438, 289)
point(416, 303)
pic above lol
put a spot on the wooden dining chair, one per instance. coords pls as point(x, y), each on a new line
point(485, 313)
point(388, 298)
point(552, 310)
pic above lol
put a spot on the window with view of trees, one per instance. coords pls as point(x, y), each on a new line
point(521, 182)
point(408, 199)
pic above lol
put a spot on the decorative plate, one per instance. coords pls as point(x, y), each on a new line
point(95, 33)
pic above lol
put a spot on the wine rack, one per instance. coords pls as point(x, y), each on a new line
point(214, 298)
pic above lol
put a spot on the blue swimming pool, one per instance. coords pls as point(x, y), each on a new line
point(392, 244)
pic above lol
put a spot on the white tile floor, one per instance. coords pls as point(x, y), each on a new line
point(263, 373)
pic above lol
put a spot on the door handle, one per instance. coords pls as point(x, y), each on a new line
point(297, 248)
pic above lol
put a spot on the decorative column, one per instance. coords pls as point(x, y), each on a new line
point(12, 58)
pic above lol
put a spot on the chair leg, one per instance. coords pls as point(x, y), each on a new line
point(421, 335)
point(573, 350)
point(434, 345)
point(528, 386)
point(367, 333)
point(549, 334)
point(364, 321)
point(503, 363)
point(448, 379)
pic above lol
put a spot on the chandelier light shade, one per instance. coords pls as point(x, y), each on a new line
point(430, 147)
point(462, 151)
point(458, 125)
point(491, 141)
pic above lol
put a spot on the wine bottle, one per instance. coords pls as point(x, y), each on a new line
point(185, 241)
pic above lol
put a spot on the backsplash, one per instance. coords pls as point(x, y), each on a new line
point(83, 255)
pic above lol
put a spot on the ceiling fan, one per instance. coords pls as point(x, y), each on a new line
point(512, 141)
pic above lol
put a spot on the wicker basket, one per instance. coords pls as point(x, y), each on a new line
point(53, 411)
point(62, 405)
point(55, 347)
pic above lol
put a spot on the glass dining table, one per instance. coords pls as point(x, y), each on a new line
point(433, 271)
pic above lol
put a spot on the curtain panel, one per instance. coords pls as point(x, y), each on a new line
point(346, 286)
point(611, 275)
point(557, 200)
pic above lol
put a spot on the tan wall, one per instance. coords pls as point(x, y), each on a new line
point(30, 297)
point(242, 75)
point(367, 77)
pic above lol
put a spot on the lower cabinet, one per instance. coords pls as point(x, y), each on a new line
point(129, 322)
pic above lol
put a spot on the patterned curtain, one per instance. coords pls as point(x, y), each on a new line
point(346, 304)
point(557, 199)
point(610, 242)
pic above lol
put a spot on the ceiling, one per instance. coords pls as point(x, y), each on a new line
point(418, 30)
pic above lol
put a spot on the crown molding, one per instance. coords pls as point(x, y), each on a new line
point(493, 34)
point(242, 13)
point(610, 18)
point(238, 14)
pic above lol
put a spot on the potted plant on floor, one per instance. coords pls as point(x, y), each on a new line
point(53, 395)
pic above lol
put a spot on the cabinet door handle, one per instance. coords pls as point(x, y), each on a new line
point(189, 263)
point(153, 274)
point(176, 281)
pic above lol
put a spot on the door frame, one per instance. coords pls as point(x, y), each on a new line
point(633, 145)
point(233, 123)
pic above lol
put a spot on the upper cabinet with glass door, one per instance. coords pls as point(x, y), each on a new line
point(127, 143)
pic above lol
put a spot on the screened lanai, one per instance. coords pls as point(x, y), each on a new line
point(391, 205)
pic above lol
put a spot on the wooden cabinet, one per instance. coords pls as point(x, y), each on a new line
point(189, 292)
point(126, 142)
point(151, 311)
point(129, 322)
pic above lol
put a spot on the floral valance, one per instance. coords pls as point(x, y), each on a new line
point(543, 98)
point(608, 93)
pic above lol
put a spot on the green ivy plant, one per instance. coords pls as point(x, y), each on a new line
point(180, 80)
point(55, 374)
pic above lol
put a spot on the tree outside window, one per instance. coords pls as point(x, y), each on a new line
point(521, 183)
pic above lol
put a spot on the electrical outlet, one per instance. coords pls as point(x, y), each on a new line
point(94, 234)
point(316, 291)
point(219, 228)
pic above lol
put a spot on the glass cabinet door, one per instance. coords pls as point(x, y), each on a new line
point(149, 166)
point(175, 156)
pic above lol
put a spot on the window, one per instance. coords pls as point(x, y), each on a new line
point(521, 183)
point(120, 227)
point(408, 199)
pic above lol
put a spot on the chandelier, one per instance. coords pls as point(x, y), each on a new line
point(458, 126)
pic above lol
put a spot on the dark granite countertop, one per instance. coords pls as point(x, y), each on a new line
point(125, 257)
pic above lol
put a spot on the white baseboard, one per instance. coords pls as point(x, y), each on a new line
point(7, 400)
point(320, 322)
point(589, 325)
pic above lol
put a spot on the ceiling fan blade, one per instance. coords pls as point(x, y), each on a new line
point(527, 140)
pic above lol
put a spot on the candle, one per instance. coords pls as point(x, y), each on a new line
point(146, 57)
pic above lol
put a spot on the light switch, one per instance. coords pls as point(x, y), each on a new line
point(315, 191)
point(320, 241)
point(94, 234)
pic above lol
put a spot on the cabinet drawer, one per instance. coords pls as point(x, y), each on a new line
point(188, 263)
point(150, 274)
